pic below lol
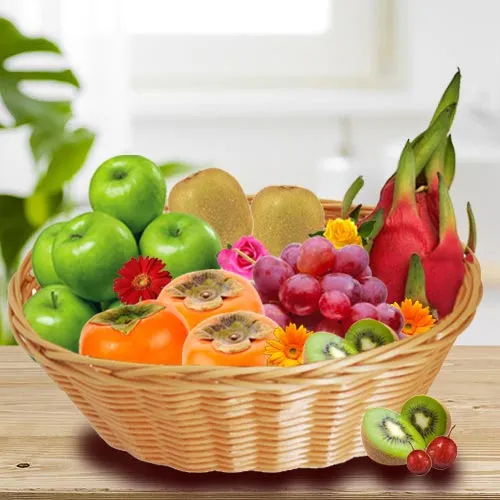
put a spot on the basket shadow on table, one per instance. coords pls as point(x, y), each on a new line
point(121, 463)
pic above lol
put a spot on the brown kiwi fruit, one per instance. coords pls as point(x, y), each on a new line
point(388, 438)
point(216, 197)
point(428, 416)
point(284, 215)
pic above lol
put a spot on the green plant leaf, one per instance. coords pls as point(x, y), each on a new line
point(40, 206)
point(175, 168)
point(370, 228)
point(14, 229)
point(317, 233)
point(66, 161)
point(350, 194)
point(23, 108)
point(354, 213)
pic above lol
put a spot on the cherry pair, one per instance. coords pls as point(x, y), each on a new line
point(440, 454)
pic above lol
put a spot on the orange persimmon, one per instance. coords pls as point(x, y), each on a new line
point(231, 339)
point(201, 294)
point(147, 332)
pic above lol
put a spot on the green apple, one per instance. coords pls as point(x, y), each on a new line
point(89, 251)
point(41, 257)
point(130, 188)
point(110, 304)
point(184, 242)
point(57, 315)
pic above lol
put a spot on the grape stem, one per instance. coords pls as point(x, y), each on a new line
point(244, 255)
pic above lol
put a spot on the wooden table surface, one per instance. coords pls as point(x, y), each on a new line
point(49, 451)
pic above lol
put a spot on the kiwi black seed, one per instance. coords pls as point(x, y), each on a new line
point(428, 416)
point(389, 438)
point(322, 346)
point(367, 334)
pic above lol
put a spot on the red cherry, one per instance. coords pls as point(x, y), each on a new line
point(443, 451)
point(419, 462)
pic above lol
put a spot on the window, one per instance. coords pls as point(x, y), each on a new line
point(260, 43)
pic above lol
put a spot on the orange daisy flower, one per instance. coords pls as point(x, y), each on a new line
point(286, 349)
point(418, 319)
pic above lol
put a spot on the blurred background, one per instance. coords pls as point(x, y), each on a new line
point(306, 92)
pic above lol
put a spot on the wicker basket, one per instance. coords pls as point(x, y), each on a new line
point(268, 419)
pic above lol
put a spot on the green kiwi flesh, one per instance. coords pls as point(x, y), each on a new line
point(367, 334)
point(388, 438)
point(428, 416)
point(322, 346)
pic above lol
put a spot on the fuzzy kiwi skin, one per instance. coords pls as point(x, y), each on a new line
point(378, 455)
point(406, 410)
point(284, 215)
point(216, 197)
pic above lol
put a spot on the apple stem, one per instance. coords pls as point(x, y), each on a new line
point(244, 255)
point(451, 430)
point(54, 299)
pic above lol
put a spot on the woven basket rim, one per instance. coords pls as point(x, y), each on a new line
point(467, 301)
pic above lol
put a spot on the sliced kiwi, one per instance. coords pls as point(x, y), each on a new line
point(388, 438)
point(366, 334)
point(321, 346)
point(428, 416)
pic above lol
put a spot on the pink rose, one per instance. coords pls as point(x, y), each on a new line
point(230, 260)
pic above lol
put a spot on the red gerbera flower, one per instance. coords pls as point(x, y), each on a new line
point(141, 279)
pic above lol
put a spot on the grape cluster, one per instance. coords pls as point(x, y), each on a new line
point(322, 288)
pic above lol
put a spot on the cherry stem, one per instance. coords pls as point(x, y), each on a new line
point(451, 430)
point(244, 255)
point(412, 446)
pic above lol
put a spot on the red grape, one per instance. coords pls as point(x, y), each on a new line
point(443, 451)
point(290, 254)
point(332, 326)
point(391, 316)
point(351, 259)
point(300, 294)
point(362, 310)
point(419, 462)
point(269, 273)
point(367, 273)
point(373, 291)
point(277, 314)
point(334, 305)
point(316, 256)
point(310, 322)
point(342, 283)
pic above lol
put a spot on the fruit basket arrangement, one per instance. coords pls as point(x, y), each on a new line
point(236, 333)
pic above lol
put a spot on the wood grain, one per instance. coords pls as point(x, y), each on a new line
point(48, 450)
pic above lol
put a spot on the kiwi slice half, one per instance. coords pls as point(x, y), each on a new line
point(367, 334)
point(428, 416)
point(388, 438)
point(322, 346)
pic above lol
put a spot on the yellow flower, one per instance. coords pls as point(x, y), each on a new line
point(342, 232)
point(287, 349)
point(418, 318)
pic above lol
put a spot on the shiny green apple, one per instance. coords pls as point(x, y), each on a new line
point(130, 188)
point(182, 241)
point(41, 257)
point(57, 315)
point(89, 251)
